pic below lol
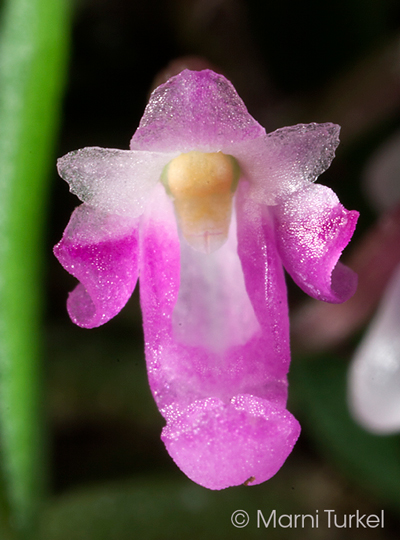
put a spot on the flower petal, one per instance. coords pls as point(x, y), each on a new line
point(190, 363)
point(159, 286)
point(374, 377)
point(113, 181)
point(286, 160)
point(102, 252)
point(313, 228)
point(195, 110)
point(216, 438)
point(219, 444)
point(265, 280)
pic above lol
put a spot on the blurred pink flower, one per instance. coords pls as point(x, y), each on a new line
point(207, 209)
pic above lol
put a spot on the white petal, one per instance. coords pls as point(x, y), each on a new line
point(285, 160)
point(113, 181)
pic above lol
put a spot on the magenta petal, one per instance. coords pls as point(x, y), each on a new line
point(265, 280)
point(194, 110)
point(184, 366)
point(194, 379)
point(219, 444)
point(313, 228)
point(102, 252)
point(159, 285)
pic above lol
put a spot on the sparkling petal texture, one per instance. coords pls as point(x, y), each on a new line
point(194, 110)
point(101, 251)
point(216, 324)
point(221, 444)
point(113, 181)
point(374, 377)
point(313, 228)
point(286, 160)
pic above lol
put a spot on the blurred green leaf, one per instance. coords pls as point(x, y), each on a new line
point(33, 45)
point(163, 509)
point(319, 391)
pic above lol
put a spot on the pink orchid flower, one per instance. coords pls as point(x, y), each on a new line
point(207, 208)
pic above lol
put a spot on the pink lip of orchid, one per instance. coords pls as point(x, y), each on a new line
point(207, 208)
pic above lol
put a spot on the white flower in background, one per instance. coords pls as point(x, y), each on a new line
point(374, 376)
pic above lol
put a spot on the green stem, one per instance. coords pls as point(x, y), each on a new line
point(33, 47)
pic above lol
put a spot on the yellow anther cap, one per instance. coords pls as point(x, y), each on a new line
point(202, 186)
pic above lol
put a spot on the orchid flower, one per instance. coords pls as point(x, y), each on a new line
point(207, 209)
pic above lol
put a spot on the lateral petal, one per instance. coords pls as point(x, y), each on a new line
point(312, 230)
point(113, 181)
point(101, 251)
point(285, 160)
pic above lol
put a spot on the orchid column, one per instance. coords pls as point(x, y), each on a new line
point(207, 209)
